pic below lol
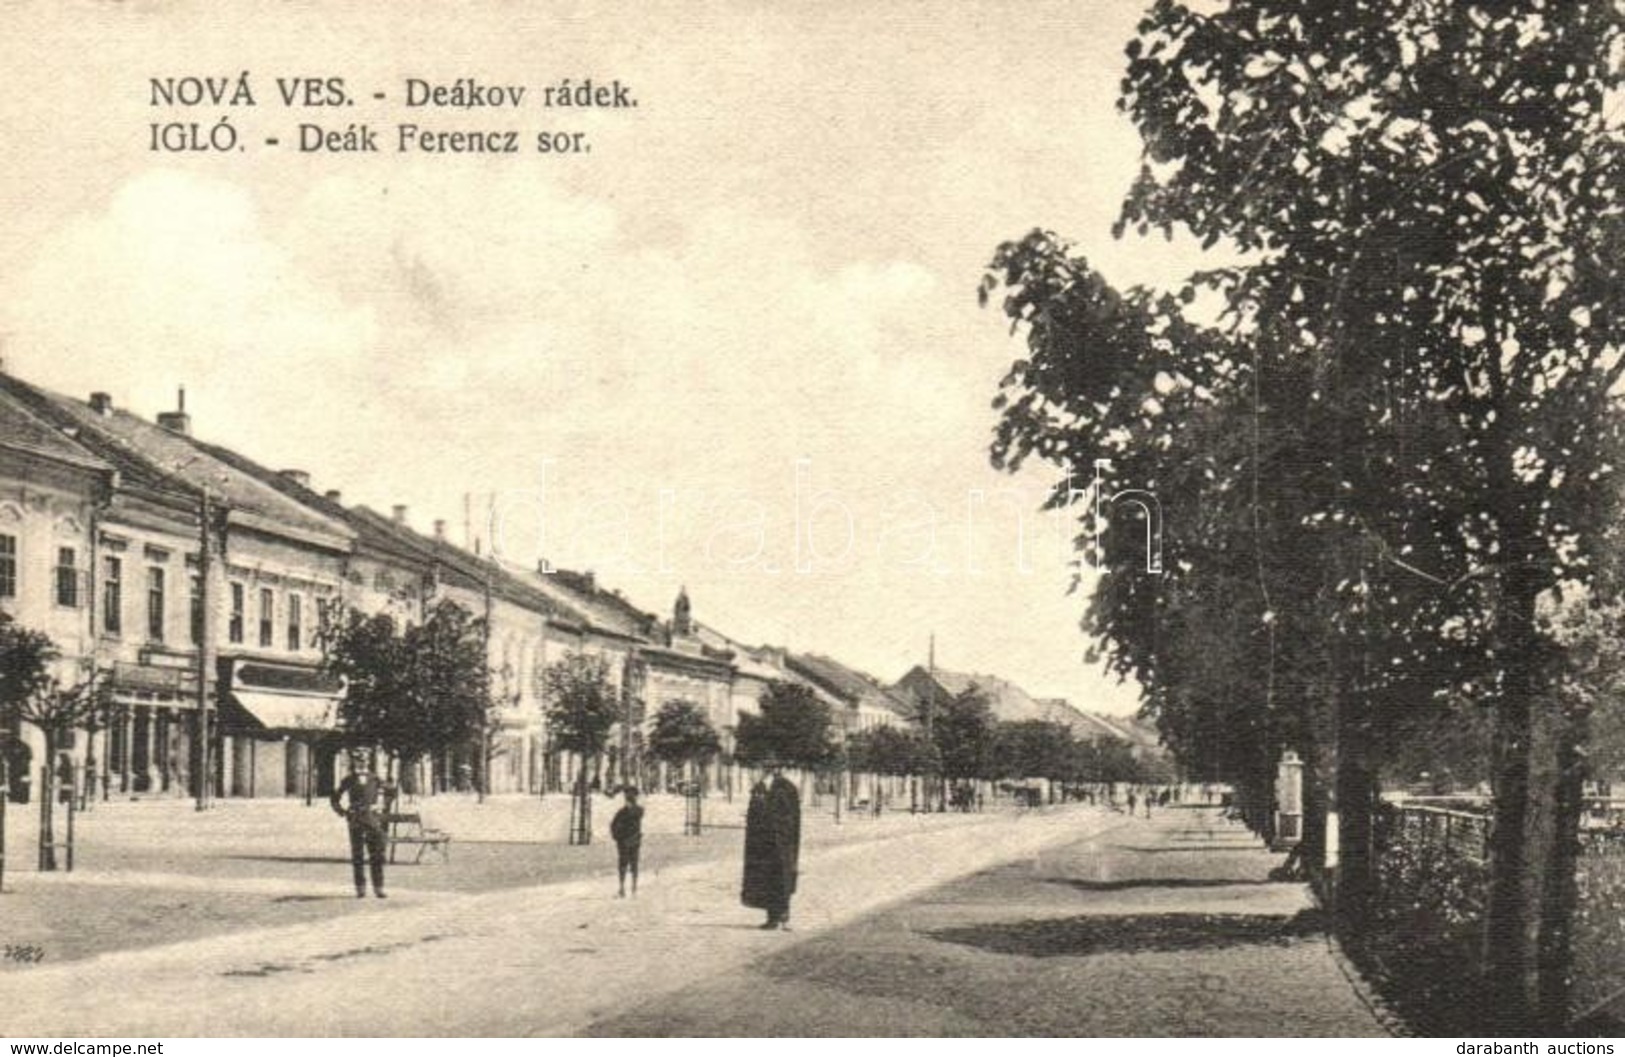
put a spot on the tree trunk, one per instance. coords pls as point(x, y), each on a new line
point(1506, 943)
point(47, 806)
point(1560, 893)
point(1356, 797)
point(1312, 838)
point(581, 827)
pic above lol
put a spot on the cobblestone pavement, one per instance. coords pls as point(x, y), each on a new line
point(540, 959)
point(1161, 927)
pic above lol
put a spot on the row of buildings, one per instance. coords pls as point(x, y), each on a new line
point(188, 573)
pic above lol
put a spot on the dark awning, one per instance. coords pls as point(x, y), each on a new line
point(285, 678)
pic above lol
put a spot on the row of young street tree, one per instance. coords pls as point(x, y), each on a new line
point(423, 689)
point(1385, 440)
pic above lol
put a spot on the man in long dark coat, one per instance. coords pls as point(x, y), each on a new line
point(772, 848)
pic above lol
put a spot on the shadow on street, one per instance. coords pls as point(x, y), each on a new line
point(1092, 934)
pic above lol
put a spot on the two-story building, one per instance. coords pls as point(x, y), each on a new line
point(52, 492)
point(204, 586)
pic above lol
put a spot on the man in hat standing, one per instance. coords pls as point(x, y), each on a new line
point(360, 800)
point(772, 847)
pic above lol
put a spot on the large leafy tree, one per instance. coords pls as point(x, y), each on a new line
point(1426, 198)
point(887, 750)
point(450, 676)
point(683, 735)
point(416, 690)
point(583, 706)
point(1032, 748)
point(793, 727)
point(963, 731)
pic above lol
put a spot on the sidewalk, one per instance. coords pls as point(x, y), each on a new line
point(541, 960)
point(157, 872)
point(1159, 927)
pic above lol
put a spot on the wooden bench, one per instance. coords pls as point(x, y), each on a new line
point(408, 828)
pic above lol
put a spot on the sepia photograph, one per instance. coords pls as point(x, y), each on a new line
point(779, 520)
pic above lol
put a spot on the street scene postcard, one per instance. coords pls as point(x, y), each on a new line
point(758, 519)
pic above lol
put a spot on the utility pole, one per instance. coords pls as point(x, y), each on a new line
point(840, 765)
point(631, 678)
point(482, 787)
point(205, 650)
point(930, 739)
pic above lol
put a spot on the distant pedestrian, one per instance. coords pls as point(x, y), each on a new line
point(772, 847)
point(360, 800)
point(627, 830)
point(1133, 802)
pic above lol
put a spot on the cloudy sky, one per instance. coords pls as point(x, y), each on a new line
point(734, 347)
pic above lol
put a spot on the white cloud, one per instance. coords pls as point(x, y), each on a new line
point(176, 281)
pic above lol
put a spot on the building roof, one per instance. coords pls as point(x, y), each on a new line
point(1009, 701)
point(1081, 723)
point(846, 683)
point(605, 610)
point(746, 661)
point(164, 459)
point(458, 567)
point(133, 470)
point(1132, 729)
point(369, 539)
point(24, 431)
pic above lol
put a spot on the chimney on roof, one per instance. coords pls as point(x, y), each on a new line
point(177, 421)
point(101, 403)
point(298, 477)
point(333, 495)
point(440, 529)
point(400, 513)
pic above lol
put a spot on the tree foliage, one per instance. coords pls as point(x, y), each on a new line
point(683, 734)
point(793, 727)
point(26, 657)
point(1033, 748)
point(1399, 432)
point(582, 703)
point(414, 690)
point(449, 671)
point(962, 730)
point(31, 692)
point(887, 750)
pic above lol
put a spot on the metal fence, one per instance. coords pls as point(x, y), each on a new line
point(1432, 875)
point(1599, 926)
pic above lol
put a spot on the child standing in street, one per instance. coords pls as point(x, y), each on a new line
point(627, 830)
